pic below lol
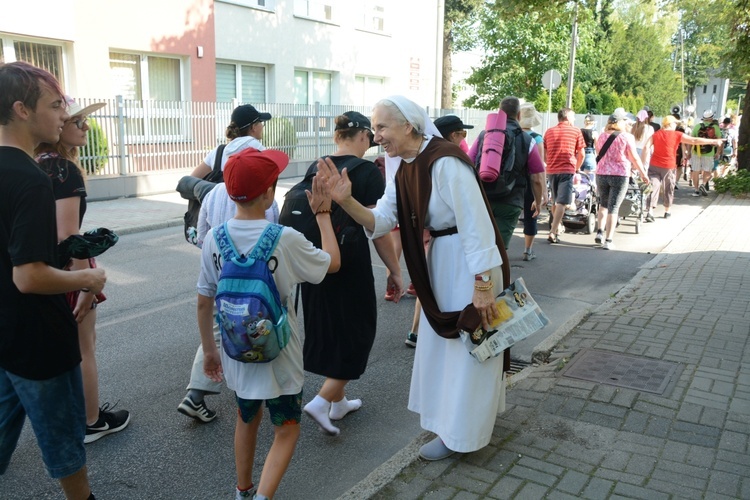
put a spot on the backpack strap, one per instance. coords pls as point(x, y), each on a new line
point(225, 244)
point(267, 242)
point(349, 165)
point(606, 146)
point(219, 156)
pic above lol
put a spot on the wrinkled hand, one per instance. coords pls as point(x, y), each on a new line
point(338, 183)
point(212, 365)
point(320, 197)
point(84, 305)
point(396, 284)
point(484, 302)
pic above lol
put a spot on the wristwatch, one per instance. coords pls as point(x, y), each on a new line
point(482, 277)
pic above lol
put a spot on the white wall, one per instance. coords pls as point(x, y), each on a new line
point(285, 42)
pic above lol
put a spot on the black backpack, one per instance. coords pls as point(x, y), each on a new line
point(515, 156)
point(296, 212)
point(194, 205)
point(707, 132)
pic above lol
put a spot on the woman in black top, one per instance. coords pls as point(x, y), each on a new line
point(60, 161)
point(589, 137)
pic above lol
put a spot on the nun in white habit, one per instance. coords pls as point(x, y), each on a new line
point(457, 397)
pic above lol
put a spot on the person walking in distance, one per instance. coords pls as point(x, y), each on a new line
point(40, 373)
point(702, 157)
point(563, 153)
point(529, 119)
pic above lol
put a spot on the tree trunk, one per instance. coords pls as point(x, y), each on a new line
point(446, 96)
point(743, 141)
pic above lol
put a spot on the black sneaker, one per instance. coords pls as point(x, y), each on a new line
point(696, 193)
point(109, 422)
point(411, 340)
point(198, 411)
point(702, 190)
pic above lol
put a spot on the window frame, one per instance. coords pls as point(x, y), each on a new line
point(368, 12)
point(333, 4)
point(253, 4)
point(325, 124)
point(8, 41)
point(169, 109)
point(238, 79)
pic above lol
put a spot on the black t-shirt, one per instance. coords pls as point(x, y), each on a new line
point(38, 334)
point(67, 180)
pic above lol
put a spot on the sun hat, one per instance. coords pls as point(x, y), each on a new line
point(245, 115)
point(621, 115)
point(708, 114)
point(74, 109)
point(249, 173)
point(450, 123)
point(530, 117)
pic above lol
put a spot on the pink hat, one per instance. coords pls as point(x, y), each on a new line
point(642, 115)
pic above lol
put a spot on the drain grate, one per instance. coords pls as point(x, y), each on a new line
point(622, 370)
point(516, 365)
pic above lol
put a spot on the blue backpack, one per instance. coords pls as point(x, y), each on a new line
point(253, 321)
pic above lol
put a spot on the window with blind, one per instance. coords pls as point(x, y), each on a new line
point(311, 87)
point(368, 90)
point(240, 81)
point(152, 87)
point(41, 55)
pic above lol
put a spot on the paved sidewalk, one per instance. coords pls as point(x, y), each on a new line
point(133, 215)
point(566, 438)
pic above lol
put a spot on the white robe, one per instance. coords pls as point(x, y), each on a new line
point(457, 397)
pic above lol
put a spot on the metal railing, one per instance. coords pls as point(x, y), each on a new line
point(141, 136)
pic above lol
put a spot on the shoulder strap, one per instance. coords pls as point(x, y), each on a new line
point(219, 156)
point(225, 244)
point(606, 146)
point(349, 165)
point(267, 242)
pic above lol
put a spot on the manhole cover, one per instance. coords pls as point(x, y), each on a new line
point(622, 370)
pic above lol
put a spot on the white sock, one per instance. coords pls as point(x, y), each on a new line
point(339, 409)
point(318, 410)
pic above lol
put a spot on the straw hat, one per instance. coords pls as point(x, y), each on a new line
point(530, 117)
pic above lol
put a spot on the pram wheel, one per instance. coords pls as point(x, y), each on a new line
point(591, 223)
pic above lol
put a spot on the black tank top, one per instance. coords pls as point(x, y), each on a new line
point(588, 137)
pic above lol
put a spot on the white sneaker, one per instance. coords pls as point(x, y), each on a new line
point(608, 245)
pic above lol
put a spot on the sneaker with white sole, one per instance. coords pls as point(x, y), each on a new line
point(529, 255)
point(702, 190)
point(198, 411)
point(599, 237)
point(109, 422)
point(608, 245)
point(411, 340)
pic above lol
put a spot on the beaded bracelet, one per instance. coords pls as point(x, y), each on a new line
point(323, 212)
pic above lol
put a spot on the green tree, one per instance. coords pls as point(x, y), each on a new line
point(460, 15)
point(579, 100)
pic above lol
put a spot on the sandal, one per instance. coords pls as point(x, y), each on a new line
point(553, 238)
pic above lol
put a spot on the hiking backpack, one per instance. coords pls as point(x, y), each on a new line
point(512, 166)
point(707, 132)
point(296, 212)
point(253, 321)
point(190, 218)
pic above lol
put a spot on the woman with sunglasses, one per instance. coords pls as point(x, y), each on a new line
point(61, 163)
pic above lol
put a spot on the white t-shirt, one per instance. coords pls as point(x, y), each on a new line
point(217, 208)
point(234, 146)
point(298, 261)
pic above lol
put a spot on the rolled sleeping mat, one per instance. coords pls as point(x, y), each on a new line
point(492, 149)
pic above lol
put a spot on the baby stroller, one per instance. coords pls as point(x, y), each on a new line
point(582, 213)
point(632, 205)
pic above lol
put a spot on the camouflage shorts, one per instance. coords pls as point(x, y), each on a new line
point(284, 410)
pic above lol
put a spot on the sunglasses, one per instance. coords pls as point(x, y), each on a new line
point(80, 122)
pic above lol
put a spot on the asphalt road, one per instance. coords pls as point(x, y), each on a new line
point(147, 338)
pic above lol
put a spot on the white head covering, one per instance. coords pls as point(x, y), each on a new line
point(418, 118)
